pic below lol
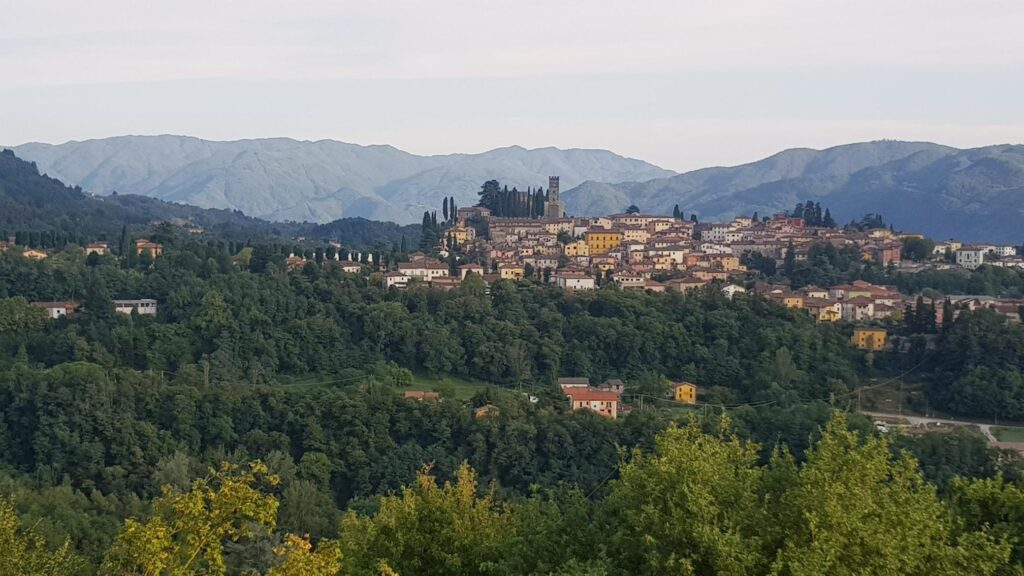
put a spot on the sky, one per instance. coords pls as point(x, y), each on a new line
point(679, 83)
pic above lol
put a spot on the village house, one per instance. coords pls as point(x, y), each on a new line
point(824, 310)
point(33, 254)
point(971, 257)
point(858, 309)
point(396, 280)
point(684, 392)
point(685, 284)
point(511, 270)
point(142, 307)
point(573, 382)
point(654, 285)
point(142, 246)
point(613, 385)
point(626, 281)
point(574, 281)
point(605, 403)
point(55, 310)
point(467, 268)
point(869, 338)
point(423, 268)
point(351, 267)
point(97, 248)
point(731, 290)
point(601, 241)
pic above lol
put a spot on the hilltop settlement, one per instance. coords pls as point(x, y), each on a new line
point(513, 235)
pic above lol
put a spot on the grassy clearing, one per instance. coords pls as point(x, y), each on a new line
point(1008, 434)
point(883, 395)
point(464, 388)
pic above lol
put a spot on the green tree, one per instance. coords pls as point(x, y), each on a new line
point(429, 530)
point(852, 508)
point(691, 507)
point(24, 553)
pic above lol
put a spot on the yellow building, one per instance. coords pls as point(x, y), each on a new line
point(33, 254)
point(511, 271)
point(600, 241)
point(685, 392)
point(869, 338)
point(462, 235)
point(578, 248)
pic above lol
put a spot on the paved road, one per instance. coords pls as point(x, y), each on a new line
point(986, 429)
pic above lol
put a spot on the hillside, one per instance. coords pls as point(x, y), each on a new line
point(283, 179)
point(30, 201)
point(975, 194)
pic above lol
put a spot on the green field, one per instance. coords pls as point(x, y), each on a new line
point(1008, 434)
point(464, 388)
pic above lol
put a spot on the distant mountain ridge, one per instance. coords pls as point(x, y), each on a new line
point(31, 202)
point(975, 194)
point(284, 179)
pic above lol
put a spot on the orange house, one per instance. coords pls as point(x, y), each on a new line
point(604, 402)
point(142, 245)
point(685, 392)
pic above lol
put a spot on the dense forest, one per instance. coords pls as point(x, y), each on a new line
point(302, 370)
point(256, 424)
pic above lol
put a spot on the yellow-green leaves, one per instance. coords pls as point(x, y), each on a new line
point(690, 508)
point(187, 531)
point(24, 553)
point(430, 529)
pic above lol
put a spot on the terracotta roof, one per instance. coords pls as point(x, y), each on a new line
point(591, 395)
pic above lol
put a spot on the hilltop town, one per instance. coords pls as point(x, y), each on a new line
point(636, 251)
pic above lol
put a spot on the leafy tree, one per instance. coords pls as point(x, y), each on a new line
point(917, 249)
point(689, 508)
point(25, 553)
point(429, 529)
point(186, 533)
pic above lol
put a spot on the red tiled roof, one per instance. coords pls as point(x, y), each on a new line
point(591, 395)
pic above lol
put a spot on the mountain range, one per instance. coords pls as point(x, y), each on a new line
point(284, 179)
point(973, 194)
point(32, 202)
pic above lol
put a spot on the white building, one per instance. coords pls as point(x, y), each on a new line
point(396, 279)
point(574, 282)
point(424, 268)
point(970, 258)
point(733, 289)
point(143, 307)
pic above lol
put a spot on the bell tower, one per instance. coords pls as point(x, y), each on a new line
point(553, 207)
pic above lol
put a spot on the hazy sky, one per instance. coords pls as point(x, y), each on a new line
point(680, 83)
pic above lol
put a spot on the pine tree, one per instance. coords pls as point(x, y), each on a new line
point(947, 315)
point(828, 221)
point(675, 212)
point(693, 218)
point(789, 262)
point(444, 209)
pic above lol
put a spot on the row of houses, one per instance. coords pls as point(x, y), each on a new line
point(142, 246)
point(142, 307)
point(606, 398)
